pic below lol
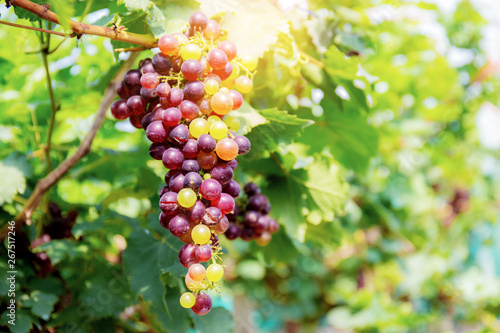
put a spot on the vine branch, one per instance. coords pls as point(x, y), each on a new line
point(33, 28)
point(147, 40)
point(52, 178)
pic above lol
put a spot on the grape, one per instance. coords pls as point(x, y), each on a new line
point(243, 144)
point(187, 300)
point(132, 78)
point(225, 203)
point(194, 90)
point(273, 226)
point(190, 149)
point(207, 160)
point(170, 174)
point(162, 64)
point(226, 149)
point(196, 213)
point(212, 216)
point(203, 304)
point(264, 239)
point(147, 119)
point(201, 234)
point(190, 51)
point(171, 117)
point(122, 90)
point(210, 189)
point(187, 255)
point(229, 49)
point(222, 226)
point(232, 188)
point(237, 99)
point(262, 224)
point(217, 58)
point(147, 68)
point(198, 21)
point(215, 272)
point(233, 164)
point(222, 172)
point(172, 158)
point(189, 110)
point(148, 94)
point(247, 233)
point(156, 132)
point(244, 84)
point(181, 38)
point(204, 253)
point(163, 89)
point(236, 70)
point(232, 123)
point(176, 183)
point(149, 80)
point(169, 204)
point(205, 106)
point(136, 120)
point(168, 45)
point(120, 110)
point(197, 272)
point(225, 72)
point(175, 96)
point(186, 197)
point(192, 69)
point(156, 150)
point(218, 130)
point(211, 86)
point(232, 232)
point(206, 143)
point(251, 218)
point(190, 166)
point(213, 77)
point(251, 189)
point(205, 65)
point(249, 62)
point(198, 127)
point(179, 134)
point(164, 220)
point(192, 180)
point(257, 202)
point(212, 30)
point(221, 103)
point(178, 225)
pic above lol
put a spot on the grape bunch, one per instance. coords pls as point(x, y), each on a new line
point(251, 221)
point(182, 97)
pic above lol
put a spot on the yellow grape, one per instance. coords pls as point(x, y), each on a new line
point(198, 127)
point(215, 272)
point(218, 130)
point(224, 90)
point(197, 272)
point(236, 70)
point(221, 103)
point(232, 123)
point(244, 84)
point(186, 197)
point(211, 86)
point(207, 176)
point(187, 300)
point(190, 51)
point(194, 285)
point(201, 234)
point(249, 62)
point(211, 120)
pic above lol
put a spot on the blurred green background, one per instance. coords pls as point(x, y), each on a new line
point(375, 134)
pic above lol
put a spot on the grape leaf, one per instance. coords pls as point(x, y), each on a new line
point(65, 10)
point(42, 304)
point(137, 5)
point(248, 118)
point(218, 320)
point(134, 22)
point(169, 16)
point(27, 15)
point(321, 28)
point(13, 182)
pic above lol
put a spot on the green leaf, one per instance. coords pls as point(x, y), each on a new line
point(134, 22)
point(27, 15)
point(273, 252)
point(248, 118)
point(218, 320)
point(321, 28)
point(137, 5)
point(43, 304)
point(13, 183)
point(169, 16)
point(65, 10)
point(24, 322)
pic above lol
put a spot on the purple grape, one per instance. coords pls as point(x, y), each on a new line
point(247, 233)
point(170, 174)
point(251, 218)
point(262, 224)
point(148, 94)
point(163, 190)
point(212, 216)
point(147, 120)
point(273, 226)
point(203, 304)
point(194, 91)
point(119, 109)
point(214, 240)
point(190, 149)
point(203, 253)
point(192, 69)
point(190, 166)
point(196, 213)
point(179, 225)
point(205, 107)
point(169, 204)
point(225, 72)
point(162, 89)
point(222, 172)
point(206, 143)
point(175, 96)
point(189, 110)
point(251, 189)
point(156, 150)
point(225, 203)
point(132, 79)
point(232, 216)
point(171, 116)
point(232, 188)
point(267, 209)
point(243, 144)
point(147, 68)
point(187, 255)
point(172, 158)
point(156, 132)
point(222, 226)
point(198, 21)
point(122, 90)
point(176, 183)
point(162, 64)
point(257, 202)
point(192, 180)
point(210, 189)
point(179, 134)
point(233, 164)
point(232, 232)
point(164, 220)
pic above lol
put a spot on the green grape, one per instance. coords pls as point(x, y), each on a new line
point(201, 234)
point(207, 176)
point(218, 130)
point(244, 84)
point(190, 51)
point(186, 197)
point(187, 300)
point(211, 119)
point(198, 127)
point(211, 86)
point(236, 70)
point(215, 272)
point(249, 62)
point(232, 123)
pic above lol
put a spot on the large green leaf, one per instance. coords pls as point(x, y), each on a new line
point(13, 183)
point(42, 304)
point(65, 10)
point(218, 320)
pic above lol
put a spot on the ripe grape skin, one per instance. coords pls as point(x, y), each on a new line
point(156, 150)
point(257, 202)
point(120, 110)
point(194, 91)
point(156, 132)
point(147, 120)
point(164, 220)
point(251, 189)
point(229, 49)
point(237, 99)
point(179, 134)
point(226, 149)
point(192, 69)
point(212, 216)
point(251, 218)
point(207, 160)
point(232, 188)
point(247, 233)
point(179, 225)
point(225, 72)
point(170, 174)
point(190, 166)
point(198, 21)
point(197, 272)
point(206, 143)
point(136, 120)
point(171, 117)
point(163, 190)
point(217, 59)
point(212, 30)
point(205, 106)
point(222, 172)
point(203, 304)
point(203, 253)
point(191, 149)
point(189, 109)
point(273, 226)
point(233, 164)
point(196, 213)
point(232, 232)
point(210, 189)
point(132, 78)
point(169, 204)
point(163, 89)
point(192, 180)
point(162, 64)
point(221, 103)
point(187, 255)
point(122, 90)
point(168, 45)
point(222, 226)
point(176, 182)
point(173, 158)
point(225, 203)
point(148, 94)
point(243, 144)
point(262, 224)
point(149, 80)
point(175, 96)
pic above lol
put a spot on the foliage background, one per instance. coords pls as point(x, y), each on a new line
point(374, 126)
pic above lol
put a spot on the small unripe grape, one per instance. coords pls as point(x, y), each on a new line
point(197, 272)
point(211, 120)
point(249, 62)
point(232, 123)
point(218, 130)
point(201, 234)
point(198, 126)
point(187, 300)
point(190, 51)
point(186, 197)
point(211, 86)
point(221, 103)
point(226, 149)
point(215, 272)
point(244, 84)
